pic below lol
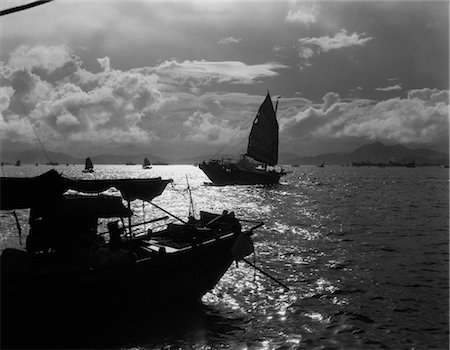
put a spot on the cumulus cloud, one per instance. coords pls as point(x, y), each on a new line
point(309, 46)
point(104, 63)
point(206, 72)
point(76, 110)
point(67, 120)
point(206, 128)
point(229, 40)
point(330, 99)
point(389, 88)
point(430, 95)
point(303, 12)
point(421, 118)
point(61, 106)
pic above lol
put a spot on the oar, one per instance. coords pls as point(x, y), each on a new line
point(250, 230)
point(250, 221)
point(265, 273)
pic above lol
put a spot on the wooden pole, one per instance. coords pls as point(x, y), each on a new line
point(141, 223)
point(266, 274)
point(129, 220)
point(165, 211)
point(18, 226)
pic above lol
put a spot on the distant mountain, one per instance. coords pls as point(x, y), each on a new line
point(285, 157)
point(32, 156)
point(377, 152)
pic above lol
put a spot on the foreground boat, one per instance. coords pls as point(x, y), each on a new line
point(69, 264)
point(262, 152)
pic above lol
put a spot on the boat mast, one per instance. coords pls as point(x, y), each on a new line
point(276, 105)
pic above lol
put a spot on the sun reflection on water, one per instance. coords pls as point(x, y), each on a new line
point(342, 239)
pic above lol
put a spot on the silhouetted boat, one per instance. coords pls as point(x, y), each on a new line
point(88, 166)
point(262, 148)
point(321, 165)
point(18, 163)
point(146, 164)
point(68, 264)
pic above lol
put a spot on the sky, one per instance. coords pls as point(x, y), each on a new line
point(182, 79)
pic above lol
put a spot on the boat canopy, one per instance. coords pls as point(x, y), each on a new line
point(263, 139)
point(71, 206)
point(42, 190)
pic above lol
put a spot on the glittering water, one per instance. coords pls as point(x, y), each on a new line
point(363, 250)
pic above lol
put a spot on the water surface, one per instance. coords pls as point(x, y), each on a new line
point(364, 251)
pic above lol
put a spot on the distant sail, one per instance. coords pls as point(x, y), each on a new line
point(147, 164)
point(88, 165)
point(263, 139)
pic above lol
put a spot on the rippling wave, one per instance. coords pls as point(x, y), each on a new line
point(363, 250)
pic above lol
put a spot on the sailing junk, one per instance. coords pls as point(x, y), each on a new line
point(88, 166)
point(262, 148)
point(146, 164)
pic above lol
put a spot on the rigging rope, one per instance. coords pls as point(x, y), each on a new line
point(40, 142)
point(244, 126)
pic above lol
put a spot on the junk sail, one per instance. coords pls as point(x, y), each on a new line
point(146, 164)
point(263, 139)
point(88, 166)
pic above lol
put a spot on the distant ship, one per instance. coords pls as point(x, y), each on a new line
point(88, 166)
point(51, 163)
point(147, 164)
point(262, 148)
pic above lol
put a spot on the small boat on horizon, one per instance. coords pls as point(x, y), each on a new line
point(146, 164)
point(51, 163)
point(88, 166)
point(262, 152)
